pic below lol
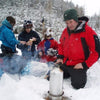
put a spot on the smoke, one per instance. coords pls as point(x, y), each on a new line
point(35, 68)
point(24, 65)
point(14, 64)
point(20, 65)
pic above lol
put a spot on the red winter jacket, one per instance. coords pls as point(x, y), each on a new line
point(79, 45)
point(51, 43)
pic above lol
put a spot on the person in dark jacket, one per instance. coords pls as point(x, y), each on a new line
point(31, 39)
point(77, 48)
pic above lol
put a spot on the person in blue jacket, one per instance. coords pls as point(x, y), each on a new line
point(9, 62)
point(7, 37)
point(31, 39)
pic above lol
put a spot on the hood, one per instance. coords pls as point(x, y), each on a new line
point(7, 24)
point(84, 18)
point(81, 26)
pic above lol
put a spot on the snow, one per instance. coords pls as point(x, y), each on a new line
point(30, 87)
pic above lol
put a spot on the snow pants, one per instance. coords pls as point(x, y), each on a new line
point(78, 76)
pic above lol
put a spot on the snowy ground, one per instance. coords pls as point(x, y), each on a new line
point(34, 88)
point(30, 87)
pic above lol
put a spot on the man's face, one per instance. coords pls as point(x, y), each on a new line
point(71, 24)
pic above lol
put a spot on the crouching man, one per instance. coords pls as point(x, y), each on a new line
point(77, 48)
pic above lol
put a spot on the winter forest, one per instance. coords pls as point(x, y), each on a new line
point(33, 86)
point(36, 10)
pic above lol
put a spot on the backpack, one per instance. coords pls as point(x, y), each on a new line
point(97, 44)
point(86, 48)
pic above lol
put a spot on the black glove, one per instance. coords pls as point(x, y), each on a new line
point(60, 57)
point(58, 65)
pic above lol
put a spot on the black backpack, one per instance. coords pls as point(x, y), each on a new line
point(86, 48)
point(97, 44)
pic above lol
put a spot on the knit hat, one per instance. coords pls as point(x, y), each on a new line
point(70, 14)
point(27, 24)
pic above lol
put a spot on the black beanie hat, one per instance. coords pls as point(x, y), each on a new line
point(70, 14)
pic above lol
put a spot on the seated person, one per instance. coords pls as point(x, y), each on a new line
point(47, 48)
point(7, 37)
point(31, 39)
point(9, 61)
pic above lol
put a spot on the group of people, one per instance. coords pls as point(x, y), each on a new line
point(28, 42)
point(75, 53)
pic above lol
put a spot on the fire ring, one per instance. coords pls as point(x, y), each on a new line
point(55, 95)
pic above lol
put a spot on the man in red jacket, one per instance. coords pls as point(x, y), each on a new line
point(77, 49)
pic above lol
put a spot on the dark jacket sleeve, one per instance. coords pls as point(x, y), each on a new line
point(37, 38)
point(21, 46)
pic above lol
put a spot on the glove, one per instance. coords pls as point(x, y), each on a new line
point(58, 65)
point(52, 52)
point(60, 57)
